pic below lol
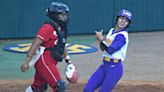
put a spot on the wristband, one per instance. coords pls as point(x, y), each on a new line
point(67, 59)
point(104, 44)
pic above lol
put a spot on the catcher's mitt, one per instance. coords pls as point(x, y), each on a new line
point(71, 73)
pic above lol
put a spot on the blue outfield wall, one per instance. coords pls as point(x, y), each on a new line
point(147, 14)
point(22, 18)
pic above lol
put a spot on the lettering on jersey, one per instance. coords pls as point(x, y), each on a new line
point(109, 41)
point(72, 48)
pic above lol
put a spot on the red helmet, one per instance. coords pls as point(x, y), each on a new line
point(71, 73)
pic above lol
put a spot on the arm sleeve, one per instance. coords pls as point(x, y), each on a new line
point(117, 44)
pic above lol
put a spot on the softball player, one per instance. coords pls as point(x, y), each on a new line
point(114, 47)
point(52, 35)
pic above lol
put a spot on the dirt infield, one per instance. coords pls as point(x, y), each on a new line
point(143, 68)
point(123, 86)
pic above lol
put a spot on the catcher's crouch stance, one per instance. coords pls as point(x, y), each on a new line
point(114, 47)
point(48, 49)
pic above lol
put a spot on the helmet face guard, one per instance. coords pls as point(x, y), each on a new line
point(55, 9)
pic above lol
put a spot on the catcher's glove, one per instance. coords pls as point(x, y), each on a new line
point(71, 73)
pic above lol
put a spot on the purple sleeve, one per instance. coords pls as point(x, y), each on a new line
point(117, 43)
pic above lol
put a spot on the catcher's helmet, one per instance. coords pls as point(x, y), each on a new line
point(56, 8)
point(71, 73)
point(125, 13)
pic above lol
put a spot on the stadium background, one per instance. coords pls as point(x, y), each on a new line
point(22, 18)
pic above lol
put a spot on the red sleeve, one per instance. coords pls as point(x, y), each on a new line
point(45, 32)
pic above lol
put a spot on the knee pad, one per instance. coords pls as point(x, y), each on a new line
point(61, 86)
point(42, 88)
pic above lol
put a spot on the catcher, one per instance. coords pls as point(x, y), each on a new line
point(47, 49)
point(114, 47)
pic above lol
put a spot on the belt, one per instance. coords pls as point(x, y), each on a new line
point(111, 60)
